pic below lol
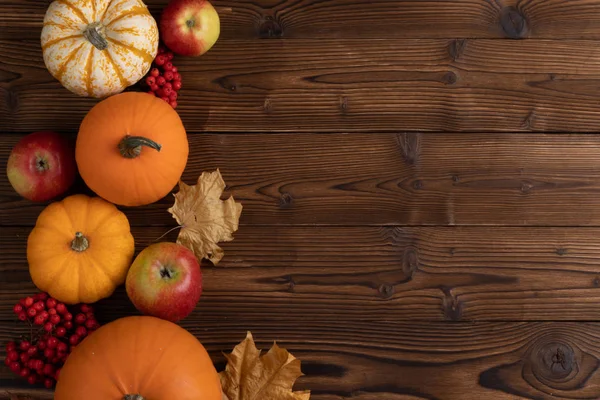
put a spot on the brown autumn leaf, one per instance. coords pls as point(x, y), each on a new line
point(250, 376)
point(204, 218)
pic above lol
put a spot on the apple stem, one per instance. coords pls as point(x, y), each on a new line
point(131, 146)
point(93, 34)
point(133, 397)
point(80, 243)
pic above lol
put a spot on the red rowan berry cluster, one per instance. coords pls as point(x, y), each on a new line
point(163, 80)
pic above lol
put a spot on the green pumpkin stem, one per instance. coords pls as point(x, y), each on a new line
point(93, 33)
point(80, 243)
point(131, 146)
point(133, 397)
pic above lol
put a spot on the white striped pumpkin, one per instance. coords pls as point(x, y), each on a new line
point(97, 48)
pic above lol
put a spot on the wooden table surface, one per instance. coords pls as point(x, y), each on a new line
point(420, 181)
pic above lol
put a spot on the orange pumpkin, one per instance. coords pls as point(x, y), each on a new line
point(139, 358)
point(131, 149)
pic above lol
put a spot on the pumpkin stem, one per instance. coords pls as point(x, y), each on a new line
point(131, 146)
point(133, 397)
point(93, 33)
point(80, 243)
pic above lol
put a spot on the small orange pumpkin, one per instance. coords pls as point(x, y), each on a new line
point(139, 358)
point(80, 249)
point(131, 149)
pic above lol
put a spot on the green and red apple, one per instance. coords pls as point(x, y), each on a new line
point(42, 166)
point(165, 281)
point(189, 27)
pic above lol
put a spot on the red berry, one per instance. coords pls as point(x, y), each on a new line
point(17, 308)
point(49, 353)
point(48, 326)
point(167, 91)
point(173, 104)
point(39, 306)
point(81, 331)
point(61, 331)
point(24, 345)
point(42, 296)
point(28, 301)
point(15, 366)
point(86, 308)
point(61, 308)
point(174, 70)
point(80, 319)
point(170, 55)
point(11, 346)
point(41, 345)
point(90, 314)
point(7, 361)
point(52, 342)
point(55, 319)
point(168, 85)
point(39, 364)
point(48, 383)
point(159, 60)
point(62, 347)
point(165, 98)
point(68, 325)
point(48, 369)
point(176, 76)
point(32, 379)
point(160, 81)
point(31, 312)
point(168, 66)
point(154, 72)
point(90, 323)
point(173, 96)
point(68, 316)
point(51, 303)
point(24, 372)
point(12, 355)
point(176, 85)
point(154, 88)
point(74, 339)
point(52, 311)
point(24, 357)
point(45, 314)
point(32, 351)
point(23, 316)
point(150, 80)
point(38, 320)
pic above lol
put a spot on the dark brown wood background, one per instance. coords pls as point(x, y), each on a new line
point(421, 183)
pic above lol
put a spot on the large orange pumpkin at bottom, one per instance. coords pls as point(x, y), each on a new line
point(139, 358)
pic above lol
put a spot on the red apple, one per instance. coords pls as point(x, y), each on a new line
point(189, 27)
point(42, 166)
point(165, 281)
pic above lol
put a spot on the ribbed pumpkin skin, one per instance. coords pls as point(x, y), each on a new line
point(80, 276)
point(132, 43)
point(131, 181)
point(139, 355)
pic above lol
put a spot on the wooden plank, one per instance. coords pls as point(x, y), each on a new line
point(253, 19)
point(375, 273)
point(383, 179)
point(346, 85)
point(398, 361)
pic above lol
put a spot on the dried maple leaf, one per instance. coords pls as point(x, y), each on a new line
point(204, 218)
point(250, 376)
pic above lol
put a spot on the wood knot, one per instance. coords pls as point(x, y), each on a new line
point(286, 200)
point(561, 251)
point(449, 78)
point(452, 306)
point(553, 361)
point(410, 146)
point(386, 291)
point(418, 184)
point(344, 104)
point(267, 106)
point(456, 48)
point(596, 282)
point(514, 23)
point(455, 178)
point(526, 187)
point(270, 29)
point(410, 261)
point(12, 100)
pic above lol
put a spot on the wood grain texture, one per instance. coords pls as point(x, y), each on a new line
point(375, 273)
point(383, 179)
point(258, 19)
point(346, 85)
point(399, 361)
